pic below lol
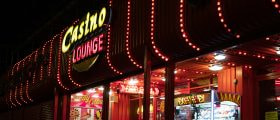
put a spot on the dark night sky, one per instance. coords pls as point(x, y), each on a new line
point(20, 22)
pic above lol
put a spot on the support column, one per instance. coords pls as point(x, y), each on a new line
point(56, 105)
point(147, 82)
point(65, 107)
point(169, 92)
point(105, 106)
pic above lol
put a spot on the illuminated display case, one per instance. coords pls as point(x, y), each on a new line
point(201, 110)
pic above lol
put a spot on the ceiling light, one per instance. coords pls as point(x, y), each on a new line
point(91, 91)
point(79, 94)
point(278, 52)
point(163, 79)
point(95, 96)
point(220, 57)
point(133, 82)
point(101, 88)
point(205, 90)
point(175, 72)
point(215, 67)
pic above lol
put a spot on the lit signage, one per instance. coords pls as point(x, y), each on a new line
point(86, 40)
point(89, 25)
point(230, 97)
point(88, 48)
point(137, 90)
point(192, 99)
point(89, 100)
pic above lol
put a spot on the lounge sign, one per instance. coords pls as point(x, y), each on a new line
point(86, 40)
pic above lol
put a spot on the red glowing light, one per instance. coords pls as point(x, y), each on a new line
point(127, 36)
point(222, 20)
point(88, 49)
point(182, 27)
point(155, 48)
point(58, 63)
point(69, 73)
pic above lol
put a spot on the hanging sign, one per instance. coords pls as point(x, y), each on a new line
point(86, 40)
point(137, 90)
point(192, 99)
point(230, 97)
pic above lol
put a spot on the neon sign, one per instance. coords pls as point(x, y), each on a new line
point(89, 25)
point(87, 49)
point(86, 40)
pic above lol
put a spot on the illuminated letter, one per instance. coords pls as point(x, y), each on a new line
point(102, 16)
point(86, 22)
point(75, 34)
point(65, 47)
point(100, 42)
point(93, 22)
point(95, 45)
point(78, 55)
point(81, 32)
point(73, 56)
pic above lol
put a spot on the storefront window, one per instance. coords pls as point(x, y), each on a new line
point(157, 99)
point(194, 81)
point(126, 97)
point(87, 104)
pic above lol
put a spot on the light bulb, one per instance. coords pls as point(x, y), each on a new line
point(220, 57)
point(216, 67)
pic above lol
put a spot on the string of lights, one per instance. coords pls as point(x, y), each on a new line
point(182, 27)
point(155, 48)
point(127, 37)
point(222, 19)
point(59, 64)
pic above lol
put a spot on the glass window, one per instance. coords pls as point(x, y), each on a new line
point(194, 80)
point(87, 104)
point(126, 97)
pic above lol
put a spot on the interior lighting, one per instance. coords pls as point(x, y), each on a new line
point(278, 51)
point(133, 82)
point(101, 88)
point(95, 96)
point(215, 67)
point(220, 57)
point(79, 94)
point(91, 91)
point(163, 79)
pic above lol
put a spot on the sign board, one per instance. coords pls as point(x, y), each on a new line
point(273, 115)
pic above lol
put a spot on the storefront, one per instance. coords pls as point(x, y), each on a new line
point(152, 59)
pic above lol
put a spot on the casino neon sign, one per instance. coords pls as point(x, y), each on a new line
point(85, 40)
